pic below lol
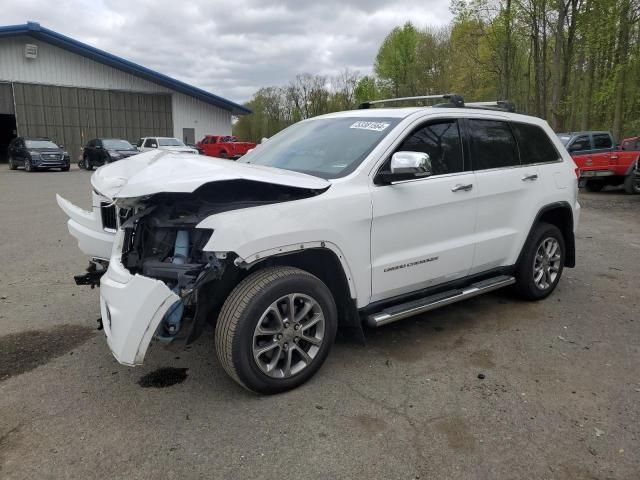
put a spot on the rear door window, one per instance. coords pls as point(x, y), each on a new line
point(534, 144)
point(492, 144)
point(150, 143)
point(602, 141)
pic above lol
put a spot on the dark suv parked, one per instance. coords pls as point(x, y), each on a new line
point(34, 153)
point(101, 151)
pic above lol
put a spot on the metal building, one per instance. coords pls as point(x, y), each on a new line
point(54, 86)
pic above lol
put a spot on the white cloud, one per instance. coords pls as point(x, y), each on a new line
point(233, 48)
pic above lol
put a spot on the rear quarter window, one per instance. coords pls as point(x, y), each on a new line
point(534, 144)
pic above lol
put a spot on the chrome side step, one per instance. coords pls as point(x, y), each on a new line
point(408, 309)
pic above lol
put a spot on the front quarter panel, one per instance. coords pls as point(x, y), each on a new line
point(339, 219)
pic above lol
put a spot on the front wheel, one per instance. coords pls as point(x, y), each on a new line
point(87, 164)
point(542, 262)
point(275, 329)
point(12, 164)
point(28, 166)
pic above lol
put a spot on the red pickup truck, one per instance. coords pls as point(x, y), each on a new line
point(223, 146)
point(600, 162)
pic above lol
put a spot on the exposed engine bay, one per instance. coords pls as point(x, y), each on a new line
point(161, 241)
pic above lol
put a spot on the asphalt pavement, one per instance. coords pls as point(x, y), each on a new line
point(559, 397)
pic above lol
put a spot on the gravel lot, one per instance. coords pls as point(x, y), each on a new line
point(560, 398)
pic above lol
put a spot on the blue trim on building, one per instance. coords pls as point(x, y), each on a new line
point(35, 30)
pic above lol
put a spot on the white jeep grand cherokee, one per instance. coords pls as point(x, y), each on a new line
point(365, 216)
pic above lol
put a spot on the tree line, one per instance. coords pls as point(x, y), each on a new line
point(575, 63)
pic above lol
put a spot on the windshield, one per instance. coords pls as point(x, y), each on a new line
point(170, 142)
point(564, 139)
point(326, 147)
point(40, 144)
point(115, 144)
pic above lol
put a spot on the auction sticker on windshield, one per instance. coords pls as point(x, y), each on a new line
point(375, 126)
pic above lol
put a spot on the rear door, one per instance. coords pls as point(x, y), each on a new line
point(506, 195)
point(602, 148)
point(422, 229)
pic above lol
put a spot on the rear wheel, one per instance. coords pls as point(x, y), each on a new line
point(594, 185)
point(276, 329)
point(224, 154)
point(632, 184)
point(542, 263)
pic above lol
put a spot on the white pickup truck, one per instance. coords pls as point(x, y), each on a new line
point(352, 218)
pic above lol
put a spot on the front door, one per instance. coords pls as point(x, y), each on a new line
point(423, 229)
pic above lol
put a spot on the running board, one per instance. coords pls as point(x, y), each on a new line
point(408, 309)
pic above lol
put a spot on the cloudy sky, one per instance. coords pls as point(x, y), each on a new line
point(232, 48)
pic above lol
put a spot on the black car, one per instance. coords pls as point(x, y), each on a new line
point(101, 151)
point(34, 153)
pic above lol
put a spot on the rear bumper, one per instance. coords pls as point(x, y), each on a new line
point(596, 173)
point(86, 228)
point(132, 308)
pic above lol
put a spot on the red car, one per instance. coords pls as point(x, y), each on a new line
point(600, 162)
point(223, 146)
point(632, 143)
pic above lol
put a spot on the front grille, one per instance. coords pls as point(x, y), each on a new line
point(109, 216)
point(52, 156)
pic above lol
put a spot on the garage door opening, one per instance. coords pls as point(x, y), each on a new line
point(7, 133)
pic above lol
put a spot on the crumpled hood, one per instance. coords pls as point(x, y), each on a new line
point(161, 171)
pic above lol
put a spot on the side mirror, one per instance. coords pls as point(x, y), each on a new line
point(415, 163)
point(61, 146)
point(98, 147)
point(577, 147)
point(406, 166)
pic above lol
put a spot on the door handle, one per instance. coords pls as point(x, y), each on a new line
point(614, 157)
point(531, 177)
point(460, 187)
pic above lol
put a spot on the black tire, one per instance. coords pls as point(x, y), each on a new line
point(12, 165)
point(242, 311)
point(526, 285)
point(65, 169)
point(224, 154)
point(594, 185)
point(28, 166)
point(632, 184)
point(87, 164)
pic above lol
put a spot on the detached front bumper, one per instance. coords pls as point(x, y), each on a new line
point(132, 308)
point(86, 227)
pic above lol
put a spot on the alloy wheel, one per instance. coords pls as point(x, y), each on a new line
point(546, 263)
point(288, 335)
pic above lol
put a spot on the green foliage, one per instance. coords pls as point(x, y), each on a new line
point(574, 62)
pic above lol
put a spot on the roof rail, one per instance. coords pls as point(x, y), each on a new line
point(500, 105)
point(453, 100)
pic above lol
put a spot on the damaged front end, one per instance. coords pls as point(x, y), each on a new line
point(160, 282)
